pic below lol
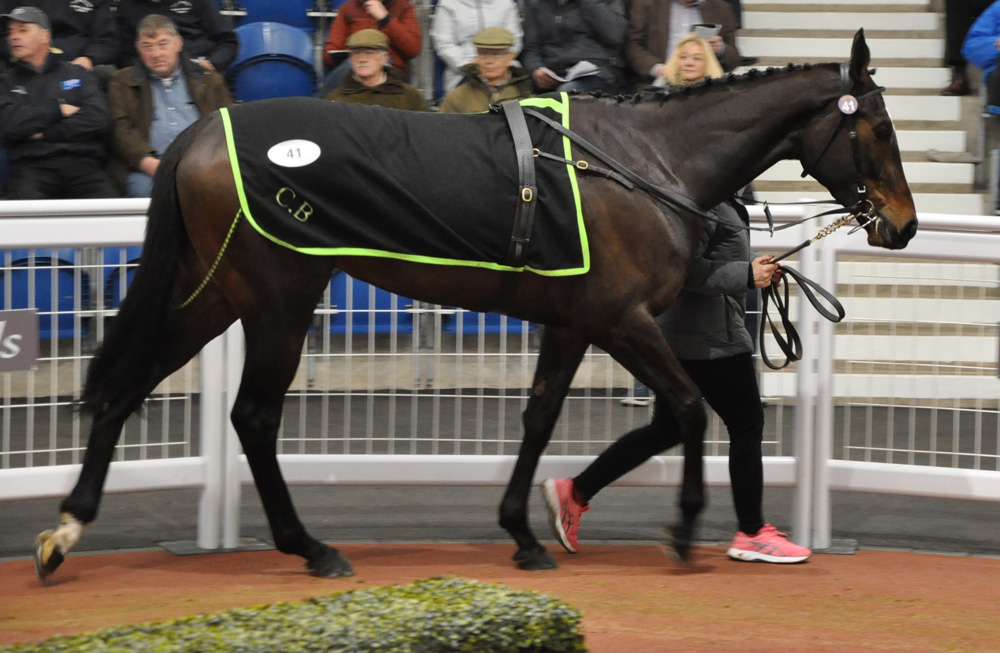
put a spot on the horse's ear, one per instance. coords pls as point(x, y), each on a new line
point(860, 57)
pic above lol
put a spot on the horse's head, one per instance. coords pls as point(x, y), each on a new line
point(863, 172)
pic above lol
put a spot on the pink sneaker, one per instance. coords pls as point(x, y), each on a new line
point(768, 545)
point(564, 511)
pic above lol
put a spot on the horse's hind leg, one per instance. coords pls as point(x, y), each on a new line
point(274, 346)
point(558, 359)
point(639, 345)
point(191, 330)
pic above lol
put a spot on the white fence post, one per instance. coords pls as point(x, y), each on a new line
point(802, 507)
point(821, 524)
point(234, 346)
point(219, 508)
point(212, 429)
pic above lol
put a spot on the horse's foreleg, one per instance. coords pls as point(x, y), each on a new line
point(190, 331)
point(558, 359)
point(272, 357)
point(639, 345)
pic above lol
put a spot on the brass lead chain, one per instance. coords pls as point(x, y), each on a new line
point(826, 231)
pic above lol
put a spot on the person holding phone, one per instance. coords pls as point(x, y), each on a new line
point(655, 27)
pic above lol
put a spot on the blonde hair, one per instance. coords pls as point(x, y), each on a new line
point(712, 67)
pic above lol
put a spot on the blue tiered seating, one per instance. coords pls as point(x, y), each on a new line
point(289, 12)
point(117, 259)
point(32, 282)
point(491, 323)
point(357, 307)
point(274, 60)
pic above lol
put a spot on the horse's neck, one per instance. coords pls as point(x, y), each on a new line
point(719, 140)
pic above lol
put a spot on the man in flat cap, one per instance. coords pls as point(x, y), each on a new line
point(54, 120)
point(372, 79)
point(491, 78)
point(456, 22)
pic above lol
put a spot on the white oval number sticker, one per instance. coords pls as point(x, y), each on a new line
point(294, 153)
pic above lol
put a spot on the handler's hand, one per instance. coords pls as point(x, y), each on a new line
point(765, 272)
point(716, 42)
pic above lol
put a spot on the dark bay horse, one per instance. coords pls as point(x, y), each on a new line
point(700, 143)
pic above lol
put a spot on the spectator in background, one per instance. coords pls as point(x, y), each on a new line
point(558, 34)
point(492, 77)
point(456, 22)
point(151, 103)
point(978, 43)
point(655, 27)
point(208, 36)
point(53, 118)
point(83, 32)
point(372, 79)
point(397, 19)
point(691, 61)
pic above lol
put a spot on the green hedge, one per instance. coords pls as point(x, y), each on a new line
point(440, 614)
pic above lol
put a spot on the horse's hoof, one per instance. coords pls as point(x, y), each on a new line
point(48, 557)
point(535, 560)
point(330, 566)
point(679, 541)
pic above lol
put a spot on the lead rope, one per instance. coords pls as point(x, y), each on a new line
point(791, 345)
point(218, 259)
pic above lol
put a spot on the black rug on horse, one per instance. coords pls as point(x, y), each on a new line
point(329, 178)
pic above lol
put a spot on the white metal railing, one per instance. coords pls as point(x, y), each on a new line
point(219, 470)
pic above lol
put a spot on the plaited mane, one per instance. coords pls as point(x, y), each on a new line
point(663, 94)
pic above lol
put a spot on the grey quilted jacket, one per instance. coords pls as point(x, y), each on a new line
point(706, 321)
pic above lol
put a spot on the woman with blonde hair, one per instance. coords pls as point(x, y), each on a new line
point(691, 61)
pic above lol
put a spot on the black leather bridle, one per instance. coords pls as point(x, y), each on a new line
point(862, 210)
point(849, 106)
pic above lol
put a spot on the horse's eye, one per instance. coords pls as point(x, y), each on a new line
point(883, 132)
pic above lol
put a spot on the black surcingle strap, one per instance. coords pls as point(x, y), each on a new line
point(524, 215)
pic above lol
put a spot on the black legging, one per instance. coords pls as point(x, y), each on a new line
point(729, 385)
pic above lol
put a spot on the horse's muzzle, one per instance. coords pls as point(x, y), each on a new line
point(883, 233)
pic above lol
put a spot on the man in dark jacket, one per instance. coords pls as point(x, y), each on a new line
point(171, 88)
point(559, 34)
point(82, 31)
point(208, 35)
point(53, 118)
point(372, 79)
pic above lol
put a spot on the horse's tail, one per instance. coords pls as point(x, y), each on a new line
point(128, 361)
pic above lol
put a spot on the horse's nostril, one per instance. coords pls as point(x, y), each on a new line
point(909, 230)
